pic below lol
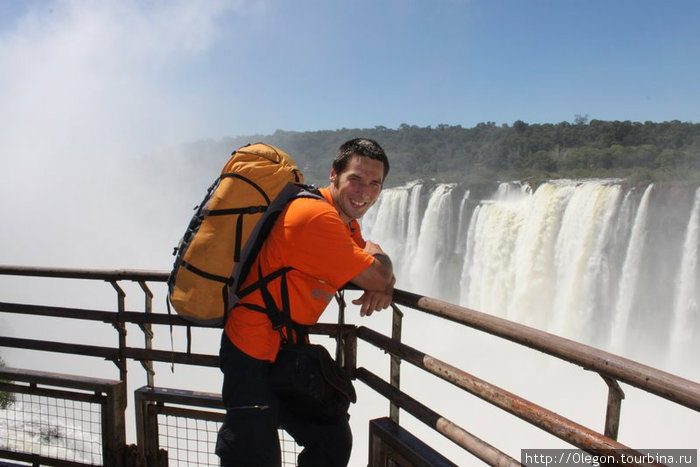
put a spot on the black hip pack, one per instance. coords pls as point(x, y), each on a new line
point(310, 382)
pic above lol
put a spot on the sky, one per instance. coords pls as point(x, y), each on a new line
point(130, 77)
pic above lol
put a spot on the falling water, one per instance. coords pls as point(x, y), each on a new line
point(429, 257)
point(597, 261)
point(686, 312)
point(630, 274)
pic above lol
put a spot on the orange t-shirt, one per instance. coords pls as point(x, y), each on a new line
point(324, 253)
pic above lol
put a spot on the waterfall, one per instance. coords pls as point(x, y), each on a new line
point(581, 267)
point(462, 226)
point(630, 274)
point(686, 310)
point(593, 260)
point(389, 220)
point(434, 242)
point(413, 227)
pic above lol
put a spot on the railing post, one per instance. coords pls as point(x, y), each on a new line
point(147, 430)
point(339, 338)
point(350, 357)
point(612, 415)
point(148, 333)
point(395, 370)
point(114, 426)
point(120, 326)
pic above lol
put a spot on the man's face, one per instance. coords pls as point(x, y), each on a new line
point(356, 189)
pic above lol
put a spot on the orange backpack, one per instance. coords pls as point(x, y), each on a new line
point(228, 228)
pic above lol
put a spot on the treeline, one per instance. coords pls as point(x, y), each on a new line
point(637, 151)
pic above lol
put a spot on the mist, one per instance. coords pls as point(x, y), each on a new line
point(86, 95)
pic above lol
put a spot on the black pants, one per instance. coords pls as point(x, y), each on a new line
point(249, 437)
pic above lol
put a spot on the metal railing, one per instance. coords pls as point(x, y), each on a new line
point(610, 367)
point(52, 405)
point(179, 428)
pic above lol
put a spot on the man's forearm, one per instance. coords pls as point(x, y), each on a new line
point(384, 259)
point(387, 266)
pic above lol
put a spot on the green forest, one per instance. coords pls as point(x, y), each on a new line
point(638, 152)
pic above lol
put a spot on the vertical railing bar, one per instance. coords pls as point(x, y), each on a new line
point(350, 358)
point(395, 368)
point(152, 437)
point(614, 407)
point(113, 409)
point(339, 338)
point(143, 432)
point(106, 411)
point(148, 333)
point(121, 329)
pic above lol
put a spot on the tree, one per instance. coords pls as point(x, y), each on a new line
point(670, 159)
point(520, 126)
point(580, 119)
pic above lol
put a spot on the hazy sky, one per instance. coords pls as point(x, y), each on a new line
point(136, 75)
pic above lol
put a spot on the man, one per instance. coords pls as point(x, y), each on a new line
point(322, 243)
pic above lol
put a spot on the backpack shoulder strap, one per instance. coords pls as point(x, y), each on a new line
point(257, 238)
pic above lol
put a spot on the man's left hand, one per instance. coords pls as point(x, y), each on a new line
point(371, 301)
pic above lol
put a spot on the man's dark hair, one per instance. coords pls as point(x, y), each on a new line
point(363, 147)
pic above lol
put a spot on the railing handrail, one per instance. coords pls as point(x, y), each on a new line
point(91, 274)
point(663, 384)
point(653, 380)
